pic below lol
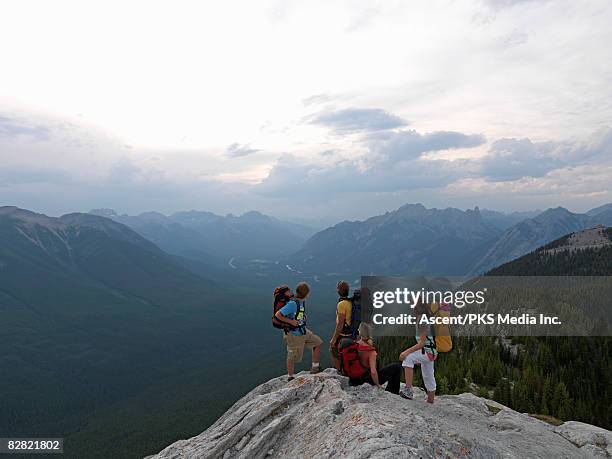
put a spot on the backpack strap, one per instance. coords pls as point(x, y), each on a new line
point(301, 306)
point(430, 343)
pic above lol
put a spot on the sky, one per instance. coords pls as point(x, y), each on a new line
point(305, 110)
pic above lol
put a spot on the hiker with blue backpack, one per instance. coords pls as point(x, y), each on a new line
point(290, 316)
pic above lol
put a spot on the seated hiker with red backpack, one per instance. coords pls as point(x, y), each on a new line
point(290, 315)
point(358, 360)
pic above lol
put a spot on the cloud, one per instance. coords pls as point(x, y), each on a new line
point(597, 147)
point(514, 159)
point(236, 150)
point(393, 162)
point(351, 120)
point(20, 175)
point(514, 38)
point(409, 144)
point(122, 171)
point(316, 99)
point(394, 165)
point(10, 127)
point(501, 4)
point(295, 179)
point(378, 169)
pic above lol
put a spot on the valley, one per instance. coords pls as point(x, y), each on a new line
point(122, 347)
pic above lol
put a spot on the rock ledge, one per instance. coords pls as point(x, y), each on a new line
point(320, 416)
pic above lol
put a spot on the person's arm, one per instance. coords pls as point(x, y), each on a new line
point(282, 318)
point(373, 370)
point(416, 347)
point(340, 318)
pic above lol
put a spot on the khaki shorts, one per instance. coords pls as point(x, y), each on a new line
point(296, 344)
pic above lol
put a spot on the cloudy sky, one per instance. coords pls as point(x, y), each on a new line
point(327, 108)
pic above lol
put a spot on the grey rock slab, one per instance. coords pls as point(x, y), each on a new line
point(320, 416)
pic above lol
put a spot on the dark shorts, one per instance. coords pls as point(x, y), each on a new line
point(334, 350)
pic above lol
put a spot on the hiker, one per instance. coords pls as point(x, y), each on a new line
point(359, 362)
point(423, 353)
point(297, 336)
point(343, 321)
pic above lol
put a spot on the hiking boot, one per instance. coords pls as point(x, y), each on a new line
point(290, 378)
point(315, 370)
point(406, 392)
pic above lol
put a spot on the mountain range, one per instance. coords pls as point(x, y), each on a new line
point(213, 238)
point(410, 240)
point(416, 240)
point(532, 233)
point(96, 319)
point(66, 261)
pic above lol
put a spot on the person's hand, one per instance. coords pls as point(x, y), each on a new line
point(332, 343)
point(404, 354)
point(294, 322)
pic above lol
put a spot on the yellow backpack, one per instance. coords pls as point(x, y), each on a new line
point(444, 343)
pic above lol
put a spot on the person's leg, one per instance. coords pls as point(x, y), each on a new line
point(427, 370)
point(316, 355)
point(314, 342)
point(408, 375)
point(408, 365)
point(290, 367)
point(335, 357)
point(295, 352)
point(391, 375)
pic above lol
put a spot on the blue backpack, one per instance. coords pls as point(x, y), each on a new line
point(355, 300)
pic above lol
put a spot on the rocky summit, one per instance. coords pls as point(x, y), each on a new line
point(321, 416)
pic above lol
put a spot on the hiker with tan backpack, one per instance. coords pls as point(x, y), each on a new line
point(430, 341)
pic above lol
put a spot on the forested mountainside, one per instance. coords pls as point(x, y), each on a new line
point(528, 235)
point(567, 378)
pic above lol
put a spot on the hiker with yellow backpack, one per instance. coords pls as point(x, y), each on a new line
point(430, 341)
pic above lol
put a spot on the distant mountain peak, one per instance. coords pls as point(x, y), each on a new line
point(5, 210)
point(590, 238)
point(600, 209)
point(27, 217)
point(103, 212)
point(557, 211)
point(254, 215)
point(414, 209)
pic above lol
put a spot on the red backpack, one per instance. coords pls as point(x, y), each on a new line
point(280, 300)
point(350, 365)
